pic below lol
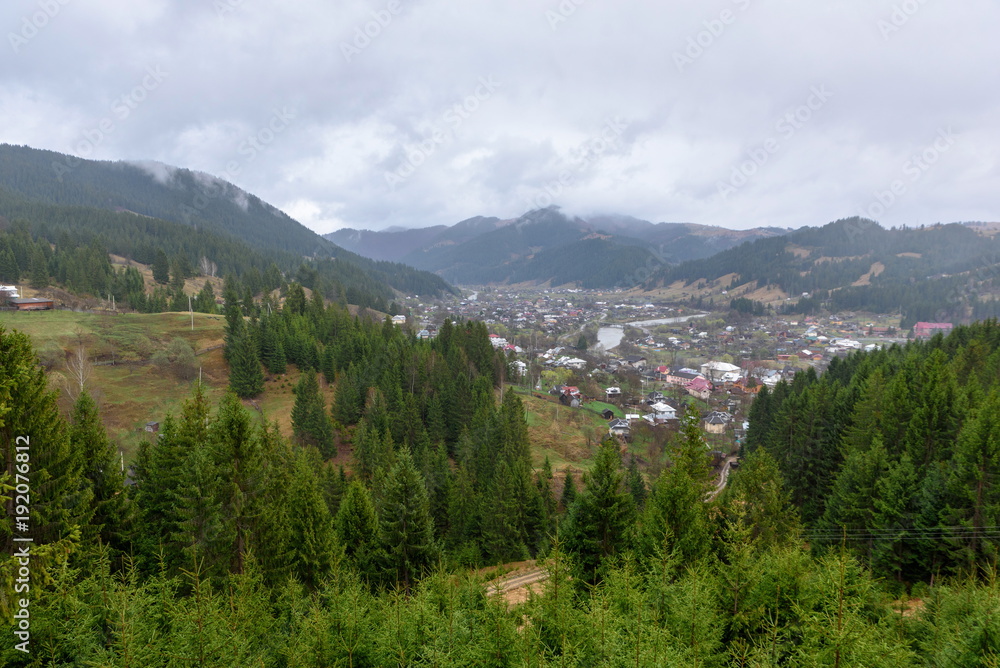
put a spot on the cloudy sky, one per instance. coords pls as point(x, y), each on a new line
point(371, 113)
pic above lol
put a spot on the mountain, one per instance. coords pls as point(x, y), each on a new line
point(44, 187)
point(546, 246)
point(939, 272)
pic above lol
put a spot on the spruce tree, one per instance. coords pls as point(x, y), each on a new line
point(356, 526)
point(311, 536)
point(246, 377)
point(600, 522)
point(568, 495)
point(310, 423)
point(33, 433)
point(161, 267)
point(406, 532)
point(99, 460)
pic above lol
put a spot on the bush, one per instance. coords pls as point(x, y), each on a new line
point(179, 357)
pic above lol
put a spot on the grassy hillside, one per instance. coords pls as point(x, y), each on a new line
point(134, 390)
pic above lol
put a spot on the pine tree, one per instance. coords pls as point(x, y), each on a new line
point(203, 533)
point(356, 526)
point(568, 495)
point(313, 551)
point(636, 485)
point(310, 423)
point(29, 419)
point(676, 516)
point(406, 532)
point(238, 453)
point(272, 352)
point(161, 267)
point(246, 377)
point(39, 270)
point(600, 522)
point(99, 461)
point(159, 474)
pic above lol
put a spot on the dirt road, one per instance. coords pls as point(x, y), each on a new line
point(516, 587)
point(723, 478)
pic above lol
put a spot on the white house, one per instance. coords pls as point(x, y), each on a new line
point(663, 412)
point(714, 371)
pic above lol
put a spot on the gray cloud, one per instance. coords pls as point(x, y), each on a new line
point(314, 106)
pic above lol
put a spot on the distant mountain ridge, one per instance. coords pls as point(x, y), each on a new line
point(545, 247)
point(37, 183)
point(937, 272)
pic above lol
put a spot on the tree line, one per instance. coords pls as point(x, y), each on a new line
point(895, 452)
point(228, 545)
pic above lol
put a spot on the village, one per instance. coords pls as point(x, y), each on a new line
point(644, 365)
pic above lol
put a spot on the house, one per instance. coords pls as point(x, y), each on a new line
point(681, 378)
point(8, 292)
point(662, 372)
point(573, 363)
point(32, 304)
point(152, 427)
point(399, 319)
point(925, 330)
point(654, 397)
point(636, 361)
point(663, 412)
point(619, 428)
point(608, 414)
point(715, 371)
point(613, 393)
point(699, 387)
point(715, 422)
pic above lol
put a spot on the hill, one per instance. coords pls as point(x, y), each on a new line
point(157, 205)
point(940, 272)
point(546, 246)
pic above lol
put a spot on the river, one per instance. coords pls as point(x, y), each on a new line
point(610, 337)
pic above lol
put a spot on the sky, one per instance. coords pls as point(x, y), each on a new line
point(378, 113)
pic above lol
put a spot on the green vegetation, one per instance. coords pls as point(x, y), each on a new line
point(934, 273)
point(895, 452)
point(238, 547)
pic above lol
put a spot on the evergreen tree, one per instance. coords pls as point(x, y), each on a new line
point(246, 377)
point(568, 495)
point(406, 533)
point(161, 267)
point(600, 522)
point(676, 517)
point(356, 526)
point(636, 485)
point(61, 497)
point(310, 423)
point(39, 270)
point(313, 550)
point(99, 461)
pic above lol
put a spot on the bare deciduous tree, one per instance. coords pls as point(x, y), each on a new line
point(78, 370)
point(208, 268)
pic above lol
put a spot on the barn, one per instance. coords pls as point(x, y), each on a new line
point(31, 304)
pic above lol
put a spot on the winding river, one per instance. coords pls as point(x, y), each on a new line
point(610, 337)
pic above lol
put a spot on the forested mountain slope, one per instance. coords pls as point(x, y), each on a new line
point(940, 272)
point(66, 194)
point(545, 246)
point(897, 452)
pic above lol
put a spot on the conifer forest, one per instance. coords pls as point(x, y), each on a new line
point(860, 530)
